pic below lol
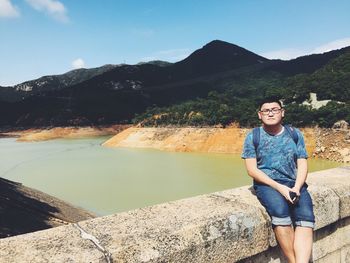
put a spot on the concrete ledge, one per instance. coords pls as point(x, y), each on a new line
point(226, 226)
point(60, 244)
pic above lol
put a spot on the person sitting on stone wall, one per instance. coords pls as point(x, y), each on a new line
point(276, 158)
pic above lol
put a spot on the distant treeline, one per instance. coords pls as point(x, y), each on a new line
point(239, 101)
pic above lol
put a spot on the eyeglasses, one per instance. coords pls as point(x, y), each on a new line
point(273, 110)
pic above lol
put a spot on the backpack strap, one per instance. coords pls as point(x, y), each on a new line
point(292, 132)
point(256, 139)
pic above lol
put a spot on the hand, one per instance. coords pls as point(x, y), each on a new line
point(284, 190)
point(296, 190)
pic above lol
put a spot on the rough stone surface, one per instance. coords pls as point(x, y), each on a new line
point(345, 254)
point(331, 238)
point(341, 125)
point(272, 255)
point(60, 244)
point(247, 195)
point(326, 205)
point(338, 180)
point(206, 228)
point(333, 257)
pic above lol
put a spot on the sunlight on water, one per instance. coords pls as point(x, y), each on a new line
point(109, 180)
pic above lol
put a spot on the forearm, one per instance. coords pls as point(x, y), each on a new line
point(301, 173)
point(261, 177)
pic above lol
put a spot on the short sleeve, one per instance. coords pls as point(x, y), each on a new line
point(301, 149)
point(248, 147)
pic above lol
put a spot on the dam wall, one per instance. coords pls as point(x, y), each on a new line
point(226, 226)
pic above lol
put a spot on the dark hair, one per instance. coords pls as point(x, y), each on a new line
point(270, 100)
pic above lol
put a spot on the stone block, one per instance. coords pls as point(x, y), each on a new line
point(331, 239)
point(207, 228)
point(60, 244)
point(326, 205)
point(333, 257)
point(345, 254)
point(337, 179)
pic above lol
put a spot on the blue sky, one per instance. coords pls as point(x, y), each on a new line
point(46, 37)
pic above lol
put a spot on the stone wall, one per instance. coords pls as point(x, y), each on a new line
point(226, 226)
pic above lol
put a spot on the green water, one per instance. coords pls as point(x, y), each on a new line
point(109, 180)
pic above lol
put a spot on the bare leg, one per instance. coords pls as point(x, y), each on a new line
point(285, 238)
point(303, 244)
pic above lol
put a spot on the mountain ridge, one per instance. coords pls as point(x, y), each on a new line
point(117, 93)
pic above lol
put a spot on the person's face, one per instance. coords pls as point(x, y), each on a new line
point(271, 114)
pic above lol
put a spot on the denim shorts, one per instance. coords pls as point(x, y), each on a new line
point(281, 211)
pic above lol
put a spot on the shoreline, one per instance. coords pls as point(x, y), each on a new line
point(51, 133)
point(324, 143)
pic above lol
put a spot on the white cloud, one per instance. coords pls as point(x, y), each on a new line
point(7, 9)
point(53, 8)
point(290, 53)
point(171, 55)
point(78, 63)
point(285, 54)
point(336, 44)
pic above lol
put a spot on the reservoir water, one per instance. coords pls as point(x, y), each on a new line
point(109, 180)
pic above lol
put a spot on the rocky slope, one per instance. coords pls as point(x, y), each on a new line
point(215, 140)
point(331, 144)
point(63, 132)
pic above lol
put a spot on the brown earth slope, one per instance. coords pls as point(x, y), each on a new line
point(333, 144)
point(328, 144)
point(63, 132)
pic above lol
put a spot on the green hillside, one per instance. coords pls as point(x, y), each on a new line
point(238, 101)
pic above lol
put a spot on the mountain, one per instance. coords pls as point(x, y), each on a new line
point(218, 56)
point(307, 64)
point(50, 83)
point(157, 63)
point(118, 93)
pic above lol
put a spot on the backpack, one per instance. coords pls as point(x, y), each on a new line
point(256, 136)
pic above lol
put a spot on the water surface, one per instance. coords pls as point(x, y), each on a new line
point(109, 180)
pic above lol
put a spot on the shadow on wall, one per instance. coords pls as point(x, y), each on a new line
point(20, 213)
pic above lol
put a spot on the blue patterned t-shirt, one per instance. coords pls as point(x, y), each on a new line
point(277, 154)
